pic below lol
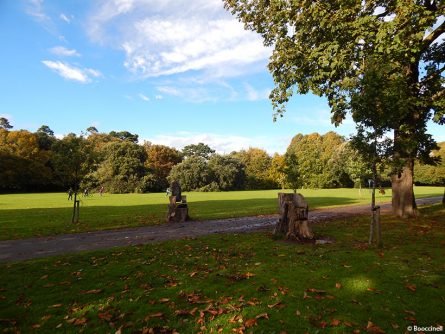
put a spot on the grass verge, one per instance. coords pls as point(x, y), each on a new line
point(30, 215)
point(239, 283)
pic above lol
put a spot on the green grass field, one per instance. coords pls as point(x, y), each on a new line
point(28, 215)
point(247, 283)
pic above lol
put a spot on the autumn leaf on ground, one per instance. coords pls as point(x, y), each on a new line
point(371, 328)
point(80, 321)
point(409, 312)
point(154, 315)
point(411, 287)
point(335, 322)
point(57, 305)
point(193, 274)
point(164, 300)
point(374, 290)
point(278, 305)
point(91, 292)
point(338, 285)
point(262, 316)
point(250, 323)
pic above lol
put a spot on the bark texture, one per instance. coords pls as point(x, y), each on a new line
point(403, 200)
point(293, 221)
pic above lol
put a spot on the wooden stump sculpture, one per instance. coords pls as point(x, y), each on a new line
point(177, 208)
point(293, 222)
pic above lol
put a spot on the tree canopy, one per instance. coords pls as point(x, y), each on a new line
point(326, 47)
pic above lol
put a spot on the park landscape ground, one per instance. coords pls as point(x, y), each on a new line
point(224, 283)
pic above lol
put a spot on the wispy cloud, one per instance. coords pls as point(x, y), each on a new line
point(63, 51)
point(167, 37)
point(66, 18)
point(35, 9)
point(253, 94)
point(222, 143)
point(70, 72)
point(144, 97)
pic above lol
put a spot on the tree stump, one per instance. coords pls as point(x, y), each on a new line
point(293, 221)
point(178, 211)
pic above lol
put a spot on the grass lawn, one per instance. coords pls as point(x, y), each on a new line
point(239, 283)
point(28, 215)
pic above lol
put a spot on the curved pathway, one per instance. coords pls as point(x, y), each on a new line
point(23, 249)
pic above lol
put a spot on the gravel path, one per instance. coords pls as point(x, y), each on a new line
point(23, 249)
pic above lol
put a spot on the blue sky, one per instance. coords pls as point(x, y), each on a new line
point(173, 71)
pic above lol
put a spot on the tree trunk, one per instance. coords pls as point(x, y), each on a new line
point(403, 200)
point(293, 222)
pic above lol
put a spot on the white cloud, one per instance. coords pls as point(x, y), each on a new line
point(66, 18)
point(70, 72)
point(35, 9)
point(158, 97)
point(144, 97)
point(253, 94)
point(223, 144)
point(177, 36)
point(63, 51)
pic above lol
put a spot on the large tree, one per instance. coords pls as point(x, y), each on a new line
point(325, 47)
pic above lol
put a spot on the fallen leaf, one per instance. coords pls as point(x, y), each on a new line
point(193, 273)
point(335, 322)
point(410, 312)
point(57, 305)
point(35, 326)
point(338, 285)
point(164, 300)
point(278, 305)
point(262, 316)
point(154, 315)
point(250, 323)
point(411, 287)
point(371, 328)
point(80, 321)
point(297, 313)
point(91, 292)
point(395, 326)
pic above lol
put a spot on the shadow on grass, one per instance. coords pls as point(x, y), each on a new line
point(25, 223)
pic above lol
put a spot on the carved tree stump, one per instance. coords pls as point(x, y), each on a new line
point(293, 221)
point(177, 212)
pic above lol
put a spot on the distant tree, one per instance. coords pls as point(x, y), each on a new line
point(45, 137)
point(291, 171)
point(200, 150)
point(92, 129)
point(227, 171)
point(258, 164)
point(122, 169)
point(432, 174)
point(313, 153)
point(4, 124)
point(125, 135)
point(23, 164)
point(160, 161)
point(192, 174)
point(277, 170)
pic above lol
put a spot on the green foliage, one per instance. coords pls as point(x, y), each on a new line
point(228, 172)
point(193, 173)
point(123, 135)
point(257, 168)
point(292, 172)
point(314, 154)
point(200, 150)
point(72, 160)
point(4, 124)
point(122, 169)
point(432, 174)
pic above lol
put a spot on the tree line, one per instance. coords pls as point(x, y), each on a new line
point(38, 161)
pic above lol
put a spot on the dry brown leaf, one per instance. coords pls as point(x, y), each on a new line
point(57, 305)
point(411, 287)
point(297, 313)
point(164, 300)
point(335, 322)
point(338, 285)
point(250, 323)
point(91, 292)
point(371, 328)
point(262, 316)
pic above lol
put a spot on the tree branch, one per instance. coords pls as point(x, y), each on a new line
point(433, 75)
point(433, 36)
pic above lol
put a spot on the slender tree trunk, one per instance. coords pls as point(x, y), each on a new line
point(403, 200)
